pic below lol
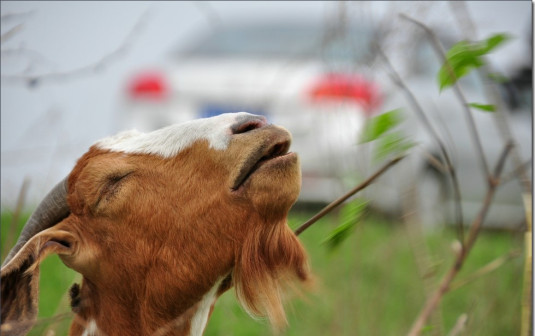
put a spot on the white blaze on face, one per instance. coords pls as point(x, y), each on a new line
point(169, 141)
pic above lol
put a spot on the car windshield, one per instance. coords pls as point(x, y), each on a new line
point(284, 41)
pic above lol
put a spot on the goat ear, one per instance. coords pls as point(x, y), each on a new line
point(20, 279)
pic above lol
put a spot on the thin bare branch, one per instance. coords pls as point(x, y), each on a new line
point(420, 250)
point(439, 49)
point(350, 193)
point(5, 17)
point(34, 57)
point(501, 162)
point(488, 268)
point(436, 163)
point(494, 182)
point(515, 172)
point(459, 325)
point(10, 33)
point(444, 286)
point(464, 20)
point(428, 126)
point(210, 14)
point(99, 65)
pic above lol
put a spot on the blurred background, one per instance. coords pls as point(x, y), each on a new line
point(74, 72)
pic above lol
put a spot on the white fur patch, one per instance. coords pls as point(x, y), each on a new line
point(200, 319)
point(169, 141)
point(91, 329)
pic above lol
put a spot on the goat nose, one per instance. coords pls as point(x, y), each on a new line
point(248, 123)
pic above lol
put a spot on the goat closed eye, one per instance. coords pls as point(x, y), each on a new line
point(112, 185)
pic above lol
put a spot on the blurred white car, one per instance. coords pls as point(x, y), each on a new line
point(299, 75)
point(320, 82)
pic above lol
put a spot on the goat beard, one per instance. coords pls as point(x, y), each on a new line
point(271, 264)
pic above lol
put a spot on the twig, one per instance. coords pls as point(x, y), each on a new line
point(210, 14)
point(515, 172)
point(420, 250)
point(433, 301)
point(436, 163)
point(10, 33)
point(13, 15)
point(353, 191)
point(459, 325)
point(32, 55)
point(509, 146)
point(37, 79)
point(468, 113)
point(490, 267)
point(396, 78)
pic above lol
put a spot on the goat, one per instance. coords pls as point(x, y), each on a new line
point(160, 224)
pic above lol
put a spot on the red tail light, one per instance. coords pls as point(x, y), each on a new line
point(334, 87)
point(148, 85)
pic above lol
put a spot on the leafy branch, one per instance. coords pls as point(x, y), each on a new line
point(428, 126)
point(465, 56)
point(462, 58)
point(439, 49)
point(485, 72)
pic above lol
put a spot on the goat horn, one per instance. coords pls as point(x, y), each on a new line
point(52, 209)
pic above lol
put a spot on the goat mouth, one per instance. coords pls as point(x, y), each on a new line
point(266, 154)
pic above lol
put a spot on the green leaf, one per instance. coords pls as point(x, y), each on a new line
point(380, 124)
point(495, 40)
point(465, 56)
point(351, 214)
point(483, 107)
point(392, 143)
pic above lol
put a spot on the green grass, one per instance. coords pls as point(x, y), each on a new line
point(369, 285)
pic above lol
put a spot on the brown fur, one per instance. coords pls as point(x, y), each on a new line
point(271, 259)
point(151, 235)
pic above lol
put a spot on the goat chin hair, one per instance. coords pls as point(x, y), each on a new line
point(271, 263)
